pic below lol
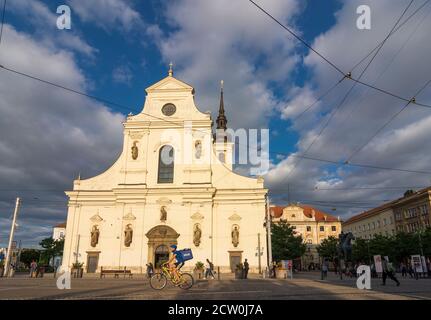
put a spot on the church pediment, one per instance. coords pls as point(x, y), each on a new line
point(129, 217)
point(169, 84)
point(197, 216)
point(96, 218)
point(235, 217)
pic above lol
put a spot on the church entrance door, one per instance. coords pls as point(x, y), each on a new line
point(235, 258)
point(161, 255)
point(159, 240)
point(92, 262)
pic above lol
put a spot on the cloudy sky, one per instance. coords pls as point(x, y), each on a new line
point(117, 48)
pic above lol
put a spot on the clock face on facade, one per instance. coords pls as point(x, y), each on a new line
point(169, 109)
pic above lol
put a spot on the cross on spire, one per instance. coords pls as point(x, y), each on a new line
point(171, 71)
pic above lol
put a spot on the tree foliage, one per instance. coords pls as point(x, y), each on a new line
point(328, 248)
point(28, 255)
point(285, 244)
point(51, 248)
point(397, 247)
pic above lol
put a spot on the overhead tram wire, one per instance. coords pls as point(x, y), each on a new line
point(396, 29)
point(365, 58)
point(122, 107)
point(347, 75)
point(337, 108)
point(388, 122)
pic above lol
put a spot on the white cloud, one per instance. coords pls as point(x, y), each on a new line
point(107, 14)
point(122, 74)
point(47, 135)
point(233, 41)
point(44, 22)
point(400, 67)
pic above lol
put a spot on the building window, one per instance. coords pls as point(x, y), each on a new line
point(334, 228)
point(294, 227)
point(385, 222)
point(61, 235)
point(166, 165)
point(308, 229)
point(378, 223)
point(322, 228)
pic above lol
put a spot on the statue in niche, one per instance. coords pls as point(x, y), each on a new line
point(235, 236)
point(198, 149)
point(128, 235)
point(197, 234)
point(163, 214)
point(134, 151)
point(95, 236)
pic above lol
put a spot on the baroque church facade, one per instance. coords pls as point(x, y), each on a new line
point(172, 184)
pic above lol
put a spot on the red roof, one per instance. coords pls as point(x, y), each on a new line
point(277, 212)
point(61, 225)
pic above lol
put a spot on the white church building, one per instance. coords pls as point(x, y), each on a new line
point(172, 184)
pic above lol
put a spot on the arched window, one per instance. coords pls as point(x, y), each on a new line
point(166, 165)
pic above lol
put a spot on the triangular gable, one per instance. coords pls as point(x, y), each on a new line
point(170, 84)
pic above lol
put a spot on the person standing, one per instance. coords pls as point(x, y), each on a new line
point(274, 269)
point(324, 269)
point(246, 267)
point(388, 271)
point(150, 270)
point(403, 270)
point(33, 268)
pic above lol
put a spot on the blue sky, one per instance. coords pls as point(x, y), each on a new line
point(116, 50)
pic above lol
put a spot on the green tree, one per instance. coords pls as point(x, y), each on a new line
point(360, 250)
point(51, 248)
point(285, 244)
point(328, 248)
point(382, 245)
point(404, 245)
point(28, 255)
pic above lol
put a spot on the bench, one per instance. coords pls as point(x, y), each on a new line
point(115, 272)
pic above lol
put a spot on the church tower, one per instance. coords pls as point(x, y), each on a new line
point(222, 145)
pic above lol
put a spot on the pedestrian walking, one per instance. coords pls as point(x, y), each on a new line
point(150, 270)
point(209, 267)
point(246, 267)
point(388, 272)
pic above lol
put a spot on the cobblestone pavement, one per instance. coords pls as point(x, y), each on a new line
point(304, 286)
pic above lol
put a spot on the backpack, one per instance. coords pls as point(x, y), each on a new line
point(211, 266)
point(184, 255)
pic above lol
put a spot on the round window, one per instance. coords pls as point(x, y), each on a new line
point(169, 109)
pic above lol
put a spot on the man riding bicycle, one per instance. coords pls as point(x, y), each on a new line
point(176, 262)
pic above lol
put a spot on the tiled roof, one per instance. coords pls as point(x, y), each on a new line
point(378, 210)
point(61, 225)
point(277, 212)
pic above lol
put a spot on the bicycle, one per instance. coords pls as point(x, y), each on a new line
point(159, 280)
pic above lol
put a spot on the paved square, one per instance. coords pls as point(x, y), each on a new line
point(305, 286)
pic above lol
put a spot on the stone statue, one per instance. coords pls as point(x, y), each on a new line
point(163, 214)
point(128, 235)
point(198, 149)
point(134, 151)
point(235, 236)
point(94, 236)
point(197, 234)
point(345, 245)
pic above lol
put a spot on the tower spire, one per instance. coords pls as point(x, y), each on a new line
point(221, 119)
